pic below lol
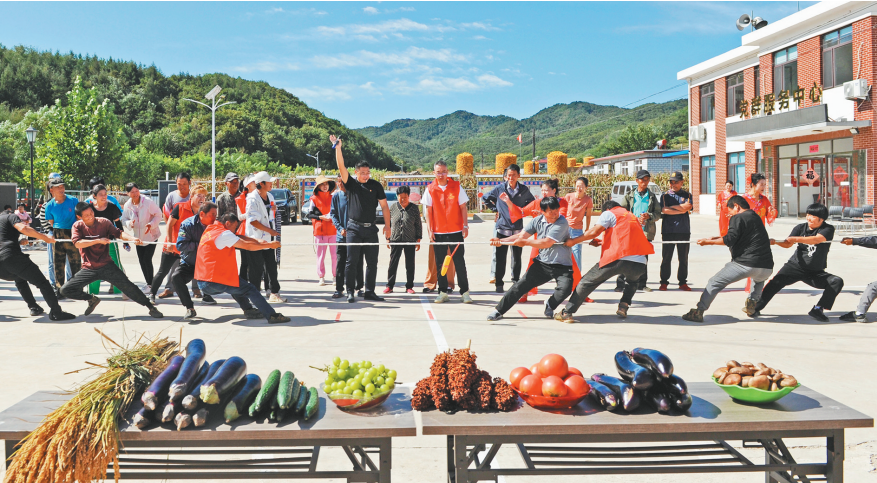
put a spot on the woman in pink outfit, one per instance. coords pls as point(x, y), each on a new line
point(324, 230)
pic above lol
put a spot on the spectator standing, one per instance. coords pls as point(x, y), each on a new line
point(61, 213)
point(96, 181)
point(179, 195)
point(324, 230)
point(647, 209)
point(580, 206)
point(515, 193)
point(24, 216)
point(225, 202)
point(338, 212)
point(405, 228)
point(722, 207)
point(261, 218)
point(675, 227)
point(142, 216)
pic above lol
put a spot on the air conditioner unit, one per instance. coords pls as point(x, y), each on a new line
point(856, 89)
point(697, 133)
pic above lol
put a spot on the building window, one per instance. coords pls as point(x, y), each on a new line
point(735, 93)
point(737, 170)
point(707, 174)
point(837, 57)
point(785, 69)
point(707, 102)
point(757, 81)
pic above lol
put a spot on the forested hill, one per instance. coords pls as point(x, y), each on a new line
point(578, 128)
point(154, 117)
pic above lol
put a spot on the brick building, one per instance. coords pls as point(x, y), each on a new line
point(654, 160)
point(792, 102)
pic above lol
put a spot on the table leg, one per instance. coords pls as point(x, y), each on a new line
point(834, 471)
point(452, 477)
point(461, 460)
point(386, 456)
point(8, 449)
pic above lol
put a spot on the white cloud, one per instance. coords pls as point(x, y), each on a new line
point(447, 85)
point(707, 17)
point(406, 9)
point(316, 93)
point(480, 37)
point(370, 10)
point(478, 26)
point(412, 55)
point(490, 80)
point(266, 67)
point(384, 29)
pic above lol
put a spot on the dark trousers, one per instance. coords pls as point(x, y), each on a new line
point(501, 255)
point(441, 251)
point(361, 234)
point(244, 269)
point(342, 267)
point(791, 273)
point(180, 279)
point(20, 269)
point(243, 294)
point(538, 274)
point(632, 272)
point(144, 255)
point(63, 253)
point(263, 262)
point(109, 273)
point(165, 267)
point(395, 254)
point(667, 257)
point(621, 282)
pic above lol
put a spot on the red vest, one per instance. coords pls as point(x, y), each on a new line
point(323, 202)
point(241, 201)
point(625, 239)
point(185, 214)
point(445, 216)
point(215, 265)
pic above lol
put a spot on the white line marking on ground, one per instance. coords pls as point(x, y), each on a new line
point(437, 333)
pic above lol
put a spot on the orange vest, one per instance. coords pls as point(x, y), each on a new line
point(215, 265)
point(323, 202)
point(445, 216)
point(185, 214)
point(241, 201)
point(625, 239)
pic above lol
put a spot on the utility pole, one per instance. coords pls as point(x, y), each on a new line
point(482, 160)
point(534, 143)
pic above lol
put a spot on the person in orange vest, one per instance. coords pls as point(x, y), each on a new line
point(624, 251)
point(216, 268)
point(447, 220)
point(324, 230)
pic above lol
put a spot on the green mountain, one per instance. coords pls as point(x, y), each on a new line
point(155, 118)
point(579, 129)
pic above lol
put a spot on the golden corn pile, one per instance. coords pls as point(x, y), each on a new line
point(557, 162)
point(571, 163)
point(529, 167)
point(504, 160)
point(465, 163)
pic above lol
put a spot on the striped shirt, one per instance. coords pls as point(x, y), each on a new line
point(405, 223)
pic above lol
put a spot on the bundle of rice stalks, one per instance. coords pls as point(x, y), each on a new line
point(529, 167)
point(465, 163)
point(79, 440)
point(504, 160)
point(557, 163)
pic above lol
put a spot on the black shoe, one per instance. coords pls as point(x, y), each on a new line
point(619, 288)
point(360, 293)
point(350, 298)
point(428, 290)
point(622, 310)
point(852, 317)
point(190, 314)
point(155, 313)
point(208, 300)
point(450, 291)
point(61, 316)
point(373, 297)
point(817, 314)
point(253, 313)
point(499, 288)
point(337, 295)
point(36, 310)
point(278, 318)
point(91, 305)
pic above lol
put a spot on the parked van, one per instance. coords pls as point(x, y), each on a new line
point(620, 188)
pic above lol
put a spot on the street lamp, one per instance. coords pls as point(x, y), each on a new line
point(31, 137)
point(317, 157)
point(212, 97)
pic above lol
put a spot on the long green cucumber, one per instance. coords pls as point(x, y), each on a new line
point(285, 389)
point(302, 400)
point(313, 405)
point(241, 400)
point(268, 392)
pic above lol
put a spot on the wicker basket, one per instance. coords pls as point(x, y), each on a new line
point(504, 160)
point(557, 162)
point(465, 163)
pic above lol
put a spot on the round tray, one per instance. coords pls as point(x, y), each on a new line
point(351, 403)
point(546, 402)
point(753, 394)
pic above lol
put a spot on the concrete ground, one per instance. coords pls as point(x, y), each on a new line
point(35, 353)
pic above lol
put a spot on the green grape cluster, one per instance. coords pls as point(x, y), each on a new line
point(358, 379)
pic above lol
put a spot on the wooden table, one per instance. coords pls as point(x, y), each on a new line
point(695, 442)
point(245, 448)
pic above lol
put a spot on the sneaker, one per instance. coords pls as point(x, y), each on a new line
point(646, 289)
point(589, 300)
point(361, 293)
point(155, 313)
point(817, 314)
point(499, 288)
point(61, 316)
point(278, 319)
point(493, 281)
point(337, 295)
point(663, 287)
point(564, 317)
point(442, 298)
point(190, 314)
point(853, 317)
point(749, 307)
point(622, 310)
point(373, 297)
point(350, 298)
point(693, 315)
point(276, 299)
point(465, 298)
point(388, 290)
point(208, 300)
point(253, 313)
point(36, 310)
point(151, 299)
point(410, 290)
point(92, 303)
point(428, 290)
point(523, 299)
point(167, 293)
point(684, 287)
point(494, 315)
point(322, 281)
point(549, 312)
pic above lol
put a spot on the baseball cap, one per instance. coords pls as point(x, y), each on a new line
point(56, 182)
point(642, 174)
point(677, 176)
point(231, 176)
point(54, 175)
point(263, 176)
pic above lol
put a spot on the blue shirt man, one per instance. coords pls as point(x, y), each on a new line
point(62, 215)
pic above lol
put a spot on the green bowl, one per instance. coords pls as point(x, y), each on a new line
point(755, 395)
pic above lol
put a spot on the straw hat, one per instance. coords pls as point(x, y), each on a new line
point(322, 179)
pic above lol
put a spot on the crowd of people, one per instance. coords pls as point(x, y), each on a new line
point(203, 241)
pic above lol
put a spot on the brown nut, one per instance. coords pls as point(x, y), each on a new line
point(774, 386)
point(733, 379)
point(776, 377)
point(761, 365)
point(760, 382)
point(720, 371)
point(789, 381)
point(745, 381)
point(762, 372)
point(733, 364)
point(772, 370)
point(747, 364)
point(743, 370)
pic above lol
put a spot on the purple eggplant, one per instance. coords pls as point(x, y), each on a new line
point(224, 380)
point(196, 351)
point(169, 411)
point(638, 376)
point(658, 399)
point(675, 386)
point(604, 395)
point(682, 403)
point(143, 418)
point(655, 361)
point(155, 393)
point(630, 399)
point(183, 420)
point(190, 402)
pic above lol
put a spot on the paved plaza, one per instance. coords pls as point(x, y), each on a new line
point(406, 331)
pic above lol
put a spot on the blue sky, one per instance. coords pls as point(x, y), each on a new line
point(368, 63)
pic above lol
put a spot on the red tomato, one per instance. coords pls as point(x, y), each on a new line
point(518, 373)
point(573, 370)
point(577, 385)
point(552, 386)
point(531, 385)
point(553, 365)
point(534, 369)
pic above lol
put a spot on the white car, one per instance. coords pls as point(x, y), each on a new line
point(391, 200)
point(621, 188)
